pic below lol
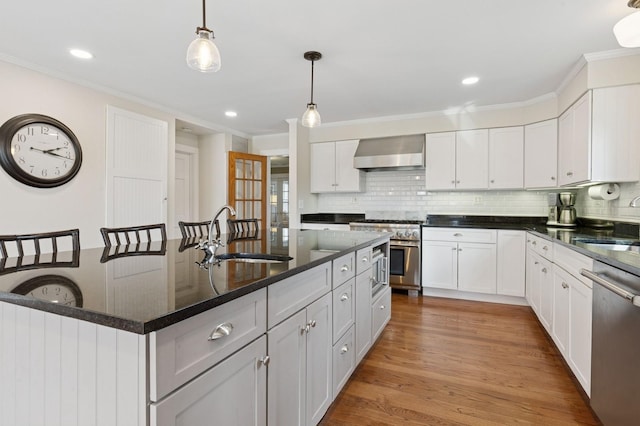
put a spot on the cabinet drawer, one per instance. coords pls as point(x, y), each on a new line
point(344, 306)
point(363, 260)
point(184, 350)
point(288, 296)
point(344, 269)
point(541, 246)
point(218, 393)
point(572, 262)
point(465, 235)
point(344, 361)
point(380, 312)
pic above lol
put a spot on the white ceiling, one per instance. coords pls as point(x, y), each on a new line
point(380, 58)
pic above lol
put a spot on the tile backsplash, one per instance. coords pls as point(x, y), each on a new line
point(613, 210)
point(401, 194)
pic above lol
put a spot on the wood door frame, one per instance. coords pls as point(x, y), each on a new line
point(194, 172)
point(231, 189)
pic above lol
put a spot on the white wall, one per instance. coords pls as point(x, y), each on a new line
point(81, 202)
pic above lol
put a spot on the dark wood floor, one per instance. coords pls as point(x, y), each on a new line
point(453, 362)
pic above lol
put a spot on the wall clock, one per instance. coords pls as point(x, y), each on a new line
point(51, 288)
point(39, 151)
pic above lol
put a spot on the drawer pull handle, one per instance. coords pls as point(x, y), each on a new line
point(565, 285)
point(544, 270)
point(545, 248)
point(457, 234)
point(381, 307)
point(221, 331)
point(344, 349)
point(265, 360)
point(344, 297)
point(344, 268)
point(365, 259)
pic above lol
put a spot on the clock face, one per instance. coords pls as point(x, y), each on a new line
point(39, 151)
point(51, 288)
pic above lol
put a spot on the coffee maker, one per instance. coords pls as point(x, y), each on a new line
point(562, 214)
point(567, 215)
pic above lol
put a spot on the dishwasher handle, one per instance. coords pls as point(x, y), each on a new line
point(633, 298)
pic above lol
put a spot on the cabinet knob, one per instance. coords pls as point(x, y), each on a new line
point(544, 270)
point(344, 349)
point(565, 285)
point(569, 173)
point(365, 259)
point(457, 234)
point(381, 307)
point(454, 249)
point(553, 178)
point(453, 181)
point(265, 360)
point(534, 243)
point(457, 181)
point(545, 248)
point(344, 268)
point(221, 331)
point(312, 323)
point(305, 329)
point(535, 263)
point(459, 249)
point(344, 297)
point(492, 181)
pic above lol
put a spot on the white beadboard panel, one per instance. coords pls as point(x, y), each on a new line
point(402, 195)
point(136, 196)
point(60, 371)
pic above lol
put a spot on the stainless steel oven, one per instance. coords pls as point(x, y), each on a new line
point(404, 250)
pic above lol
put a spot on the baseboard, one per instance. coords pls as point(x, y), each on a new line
point(478, 297)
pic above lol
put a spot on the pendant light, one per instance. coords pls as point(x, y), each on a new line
point(203, 55)
point(627, 30)
point(311, 117)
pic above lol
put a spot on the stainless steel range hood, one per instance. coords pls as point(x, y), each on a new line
point(390, 153)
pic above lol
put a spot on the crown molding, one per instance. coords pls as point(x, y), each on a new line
point(611, 54)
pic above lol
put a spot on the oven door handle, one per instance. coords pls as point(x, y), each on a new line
point(399, 243)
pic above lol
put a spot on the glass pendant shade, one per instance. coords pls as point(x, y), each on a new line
point(311, 117)
point(627, 30)
point(203, 55)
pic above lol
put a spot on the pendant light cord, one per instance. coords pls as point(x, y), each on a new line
point(312, 81)
point(204, 19)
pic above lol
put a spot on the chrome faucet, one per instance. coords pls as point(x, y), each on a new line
point(634, 202)
point(211, 242)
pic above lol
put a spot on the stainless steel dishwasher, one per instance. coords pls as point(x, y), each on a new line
point(615, 352)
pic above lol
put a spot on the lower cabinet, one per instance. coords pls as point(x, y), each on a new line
point(233, 391)
point(380, 312)
point(300, 379)
point(363, 315)
point(344, 360)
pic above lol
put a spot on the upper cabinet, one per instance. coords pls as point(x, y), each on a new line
point(597, 137)
point(541, 154)
point(331, 165)
point(457, 160)
point(506, 158)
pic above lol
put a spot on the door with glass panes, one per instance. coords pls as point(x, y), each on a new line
point(247, 186)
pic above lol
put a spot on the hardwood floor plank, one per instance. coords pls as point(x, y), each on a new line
point(454, 362)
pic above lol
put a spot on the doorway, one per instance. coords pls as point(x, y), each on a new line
point(279, 192)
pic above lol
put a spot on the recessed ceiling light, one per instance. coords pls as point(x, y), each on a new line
point(231, 114)
point(470, 80)
point(82, 54)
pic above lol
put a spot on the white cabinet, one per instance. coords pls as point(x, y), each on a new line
point(463, 259)
point(598, 137)
point(344, 308)
point(300, 372)
point(511, 263)
point(344, 360)
point(541, 154)
point(363, 315)
point(331, 167)
point(506, 158)
point(580, 310)
point(240, 379)
point(440, 160)
point(561, 315)
point(457, 160)
point(380, 312)
point(472, 159)
point(574, 142)
point(539, 282)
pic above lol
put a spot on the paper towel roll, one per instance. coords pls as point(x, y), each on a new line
point(608, 191)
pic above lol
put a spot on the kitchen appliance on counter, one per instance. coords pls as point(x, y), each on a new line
point(615, 350)
point(562, 212)
point(404, 249)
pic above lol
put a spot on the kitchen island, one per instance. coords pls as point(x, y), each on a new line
point(102, 337)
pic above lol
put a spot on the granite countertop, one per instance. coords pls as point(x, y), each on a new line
point(336, 218)
point(569, 237)
point(145, 292)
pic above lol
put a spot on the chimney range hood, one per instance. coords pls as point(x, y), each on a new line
point(390, 153)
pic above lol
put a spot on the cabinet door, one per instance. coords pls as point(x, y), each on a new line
point(472, 159)
point(344, 308)
point(541, 154)
point(546, 294)
point(440, 161)
point(477, 267)
point(614, 145)
point(380, 312)
point(574, 142)
point(319, 365)
point(363, 314)
point(287, 375)
point(347, 178)
point(506, 158)
point(241, 378)
point(560, 322)
point(440, 264)
point(533, 281)
point(580, 332)
point(511, 263)
point(322, 167)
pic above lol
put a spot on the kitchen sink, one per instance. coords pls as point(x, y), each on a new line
point(253, 257)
